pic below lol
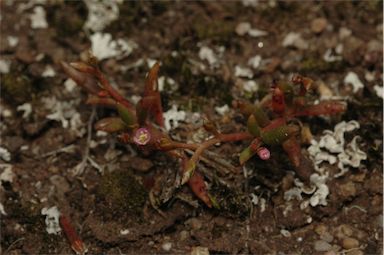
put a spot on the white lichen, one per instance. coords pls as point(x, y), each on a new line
point(48, 72)
point(65, 112)
point(12, 41)
point(5, 65)
point(243, 72)
point(353, 79)
point(52, 220)
point(4, 154)
point(222, 110)
point(70, 85)
point(101, 14)
point(172, 117)
point(244, 28)
point(255, 62)
point(38, 18)
point(2, 211)
point(250, 86)
point(103, 46)
point(330, 57)
point(379, 90)
point(7, 175)
point(167, 82)
point(124, 232)
point(331, 148)
point(295, 40)
point(207, 54)
point(26, 108)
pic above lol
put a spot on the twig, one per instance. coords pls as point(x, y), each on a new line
point(79, 168)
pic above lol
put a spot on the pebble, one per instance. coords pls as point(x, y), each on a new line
point(356, 252)
point(322, 245)
point(327, 237)
point(295, 40)
point(347, 190)
point(184, 235)
point(321, 229)
point(349, 243)
point(243, 28)
point(318, 25)
point(199, 250)
point(330, 253)
point(166, 246)
point(194, 223)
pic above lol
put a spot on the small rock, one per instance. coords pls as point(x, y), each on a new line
point(327, 237)
point(349, 243)
point(347, 190)
point(344, 33)
point(356, 252)
point(339, 232)
point(379, 221)
point(324, 91)
point(199, 250)
point(330, 253)
point(295, 40)
point(243, 28)
point(194, 223)
point(318, 25)
point(183, 235)
point(322, 245)
point(167, 246)
point(321, 229)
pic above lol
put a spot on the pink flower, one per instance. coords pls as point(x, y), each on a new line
point(142, 136)
point(263, 153)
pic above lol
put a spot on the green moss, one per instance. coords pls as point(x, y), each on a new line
point(122, 192)
point(317, 64)
point(17, 87)
point(68, 18)
point(230, 201)
point(220, 30)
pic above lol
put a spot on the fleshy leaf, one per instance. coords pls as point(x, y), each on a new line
point(199, 188)
point(253, 126)
point(110, 125)
point(126, 115)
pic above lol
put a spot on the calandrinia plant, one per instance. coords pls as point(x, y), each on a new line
point(274, 121)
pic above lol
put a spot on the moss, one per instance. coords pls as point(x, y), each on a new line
point(68, 18)
point(218, 30)
point(317, 64)
point(231, 202)
point(17, 87)
point(122, 192)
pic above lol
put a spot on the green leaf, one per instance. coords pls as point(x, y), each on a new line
point(253, 126)
point(110, 125)
point(126, 115)
point(246, 154)
point(275, 136)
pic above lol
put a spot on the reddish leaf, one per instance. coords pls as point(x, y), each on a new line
point(197, 185)
point(87, 81)
point(323, 108)
point(278, 101)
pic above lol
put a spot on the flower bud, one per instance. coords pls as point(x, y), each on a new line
point(263, 153)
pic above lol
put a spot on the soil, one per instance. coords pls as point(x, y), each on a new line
point(104, 186)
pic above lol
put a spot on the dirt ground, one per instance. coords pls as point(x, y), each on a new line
point(51, 155)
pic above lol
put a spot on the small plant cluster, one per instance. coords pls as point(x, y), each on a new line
point(274, 121)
